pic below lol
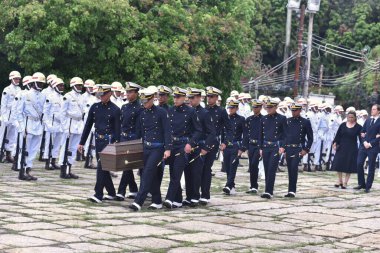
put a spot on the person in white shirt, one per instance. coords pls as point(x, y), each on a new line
point(117, 89)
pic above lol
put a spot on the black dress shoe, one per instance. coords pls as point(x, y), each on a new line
point(338, 185)
point(367, 190)
point(186, 203)
point(290, 195)
point(266, 196)
point(343, 187)
point(359, 187)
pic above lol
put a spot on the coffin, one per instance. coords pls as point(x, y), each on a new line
point(127, 155)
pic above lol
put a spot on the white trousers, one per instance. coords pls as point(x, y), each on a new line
point(11, 137)
point(73, 146)
point(33, 143)
point(57, 142)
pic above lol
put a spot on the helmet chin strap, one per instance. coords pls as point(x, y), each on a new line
point(76, 90)
point(13, 82)
point(37, 87)
point(57, 90)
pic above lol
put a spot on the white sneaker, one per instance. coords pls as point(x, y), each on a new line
point(94, 199)
point(155, 206)
point(233, 191)
point(132, 195)
point(177, 205)
point(108, 197)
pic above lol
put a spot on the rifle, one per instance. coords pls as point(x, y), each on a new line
point(89, 153)
point(47, 162)
point(320, 156)
point(329, 158)
point(65, 165)
point(15, 164)
point(42, 147)
point(5, 140)
point(24, 153)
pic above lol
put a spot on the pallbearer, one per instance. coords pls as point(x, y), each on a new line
point(186, 130)
point(235, 147)
point(130, 112)
point(271, 141)
point(193, 171)
point(251, 140)
point(153, 126)
point(163, 96)
point(222, 125)
point(296, 145)
point(105, 116)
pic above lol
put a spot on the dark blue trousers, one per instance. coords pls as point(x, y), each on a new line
point(362, 155)
point(177, 163)
point(103, 178)
point(207, 171)
point(254, 159)
point(150, 181)
point(292, 160)
point(193, 176)
point(128, 178)
point(271, 158)
point(231, 162)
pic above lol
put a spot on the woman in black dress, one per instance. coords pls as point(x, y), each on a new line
point(346, 145)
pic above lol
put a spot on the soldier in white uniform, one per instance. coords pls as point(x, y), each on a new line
point(17, 115)
point(46, 134)
point(72, 115)
point(53, 122)
point(31, 107)
point(8, 132)
point(322, 140)
point(116, 98)
point(50, 88)
point(88, 99)
point(313, 116)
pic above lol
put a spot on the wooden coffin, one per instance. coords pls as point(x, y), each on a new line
point(127, 155)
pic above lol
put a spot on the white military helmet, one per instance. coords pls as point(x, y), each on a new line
point(116, 86)
point(364, 112)
point(203, 93)
point(339, 108)
point(234, 93)
point(26, 81)
point(55, 84)
point(283, 105)
point(76, 81)
point(350, 109)
point(219, 98)
point(38, 79)
point(51, 78)
point(14, 74)
point(302, 101)
point(89, 83)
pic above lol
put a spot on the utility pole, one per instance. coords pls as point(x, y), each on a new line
point(287, 42)
point(299, 52)
point(320, 79)
point(308, 61)
point(358, 85)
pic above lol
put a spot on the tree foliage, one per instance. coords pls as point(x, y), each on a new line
point(150, 42)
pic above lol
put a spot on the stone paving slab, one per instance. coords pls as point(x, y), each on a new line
point(53, 215)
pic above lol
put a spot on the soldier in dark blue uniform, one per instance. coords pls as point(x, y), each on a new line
point(105, 115)
point(163, 96)
point(186, 131)
point(271, 141)
point(193, 171)
point(153, 126)
point(129, 115)
point(251, 140)
point(223, 130)
point(235, 147)
point(298, 140)
point(163, 99)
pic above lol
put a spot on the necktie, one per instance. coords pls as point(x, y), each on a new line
point(372, 121)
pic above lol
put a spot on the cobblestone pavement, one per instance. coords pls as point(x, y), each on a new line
point(53, 215)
